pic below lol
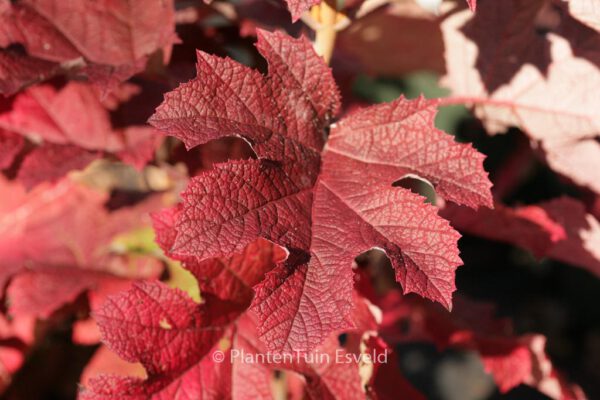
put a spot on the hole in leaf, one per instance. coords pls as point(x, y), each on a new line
point(165, 324)
point(203, 157)
point(16, 48)
point(378, 269)
point(342, 339)
point(417, 185)
point(404, 325)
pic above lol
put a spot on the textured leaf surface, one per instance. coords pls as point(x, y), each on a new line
point(184, 367)
point(231, 278)
point(298, 7)
point(324, 219)
point(171, 338)
point(281, 115)
point(267, 203)
point(392, 141)
point(163, 322)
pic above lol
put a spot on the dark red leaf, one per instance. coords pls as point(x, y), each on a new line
point(109, 41)
point(52, 162)
point(324, 208)
point(10, 146)
point(298, 7)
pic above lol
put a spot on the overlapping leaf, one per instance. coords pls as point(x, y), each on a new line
point(69, 124)
point(110, 39)
point(325, 205)
point(177, 341)
point(512, 79)
point(45, 234)
point(511, 359)
point(560, 229)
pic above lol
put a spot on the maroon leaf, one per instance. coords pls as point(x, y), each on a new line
point(511, 359)
point(524, 94)
point(164, 322)
point(169, 334)
point(18, 70)
point(324, 219)
point(108, 39)
point(560, 229)
point(529, 227)
point(298, 7)
point(74, 118)
point(43, 291)
point(10, 146)
point(52, 162)
point(505, 32)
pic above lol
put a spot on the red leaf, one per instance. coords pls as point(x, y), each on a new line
point(510, 359)
point(73, 117)
point(163, 322)
point(508, 362)
point(389, 383)
point(559, 229)
point(367, 44)
point(17, 70)
point(139, 145)
point(140, 28)
point(281, 115)
point(230, 278)
point(581, 247)
point(298, 7)
point(300, 305)
point(267, 202)
point(46, 232)
point(529, 227)
point(169, 334)
point(105, 361)
point(52, 162)
point(505, 32)
point(386, 142)
point(10, 146)
point(324, 211)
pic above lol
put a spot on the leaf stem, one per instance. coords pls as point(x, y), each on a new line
point(326, 15)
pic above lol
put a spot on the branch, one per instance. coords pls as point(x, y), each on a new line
point(326, 16)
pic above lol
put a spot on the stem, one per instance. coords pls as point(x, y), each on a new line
point(326, 16)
